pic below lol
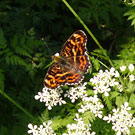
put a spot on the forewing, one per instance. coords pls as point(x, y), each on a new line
point(75, 45)
point(54, 77)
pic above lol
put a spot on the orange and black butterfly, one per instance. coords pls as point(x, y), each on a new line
point(71, 64)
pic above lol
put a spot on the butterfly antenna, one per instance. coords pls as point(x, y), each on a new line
point(43, 39)
point(50, 53)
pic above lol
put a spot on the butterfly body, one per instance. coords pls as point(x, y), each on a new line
point(71, 64)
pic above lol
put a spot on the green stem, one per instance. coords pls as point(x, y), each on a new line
point(103, 64)
point(49, 65)
point(88, 30)
point(16, 104)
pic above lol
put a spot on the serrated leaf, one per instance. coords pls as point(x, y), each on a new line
point(3, 42)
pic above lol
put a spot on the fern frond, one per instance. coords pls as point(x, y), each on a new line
point(44, 116)
point(131, 14)
point(3, 42)
point(14, 41)
point(16, 60)
point(7, 58)
point(59, 122)
point(107, 102)
point(88, 116)
point(22, 51)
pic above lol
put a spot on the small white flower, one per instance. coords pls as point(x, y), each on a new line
point(104, 80)
point(131, 78)
point(121, 120)
point(131, 67)
point(93, 105)
point(77, 92)
point(33, 129)
point(80, 128)
point(123, 68)
point(117, 74)
point(44, 129)
point(50, 97)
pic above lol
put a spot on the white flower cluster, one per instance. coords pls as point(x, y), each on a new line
point(77, 92)
point(121, 119)
point(131, 69)
point(80, 128)
point(50, 97)
point(44, 129)
point(104, 80)
point(92, 104)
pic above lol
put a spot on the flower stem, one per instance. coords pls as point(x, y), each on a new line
point(88, 30)
point(16, 104)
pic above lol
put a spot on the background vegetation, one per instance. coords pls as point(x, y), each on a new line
point(24, 56)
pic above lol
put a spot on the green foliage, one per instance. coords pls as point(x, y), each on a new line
point(95, 63)
point(101, 127)
point(131, 14)
point(3, 42)
point(24, 57)
point(108, 102)
point(121, 100)
point(2, 79)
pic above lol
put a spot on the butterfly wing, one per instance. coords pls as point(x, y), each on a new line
point(73, 78)
point(54, 77)
point(75, 45)
point(59, 76)
point(80, 63)
point(75, 52)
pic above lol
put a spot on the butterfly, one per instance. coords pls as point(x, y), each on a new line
point(71, 64)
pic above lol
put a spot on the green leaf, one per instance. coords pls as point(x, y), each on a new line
point(121, 100)
point(14, 41)
point(132, 131)
point(133, 22)
point(95, 63)
point(107, 101)
point(16, 60)
point(114, 94)
point(88, 116)
point(22, 51)
point(3, 42)
point(22, 42)
point(131, 17)
point(132, 100)
point(7, 58)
